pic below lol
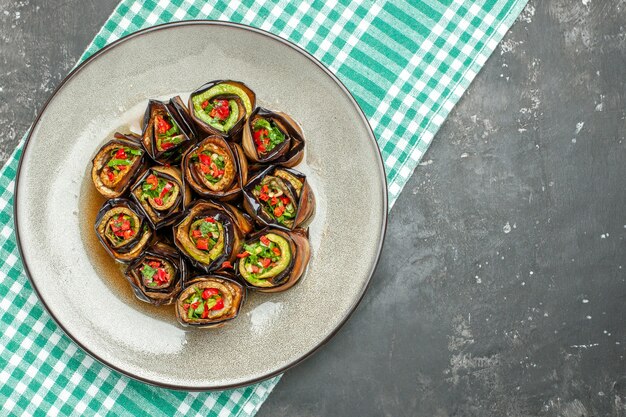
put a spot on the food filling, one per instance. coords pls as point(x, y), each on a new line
point(156, 273)
point(158, 190)
point(166, 132)
point(120, 161)
point(198, 304)
point(205, 233)
point(220, 113)
point(211, 165)
point(274, 201)
point(120, 229)
point(265, 258)
point(266, 135)
point(219, 106)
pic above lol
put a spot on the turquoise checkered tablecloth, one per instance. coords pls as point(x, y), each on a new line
point(406, 63)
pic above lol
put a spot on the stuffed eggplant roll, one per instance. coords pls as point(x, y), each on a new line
point(162, 195)
point(123, 229)
point(216, 169)
point(221, 107)
point(211, 235)
point(272, 137)
point(157, 276)
point(167, 131)
point(117, 164)
point(273, 260)
point(209, 301)
point(279, 197)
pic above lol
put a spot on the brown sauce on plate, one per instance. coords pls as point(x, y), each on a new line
point(110, 271)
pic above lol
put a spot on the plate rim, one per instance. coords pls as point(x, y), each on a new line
point(285, 42)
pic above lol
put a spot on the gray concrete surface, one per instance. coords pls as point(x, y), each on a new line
point(501, 290)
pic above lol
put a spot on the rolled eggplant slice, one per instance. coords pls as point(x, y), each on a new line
point(209, 301)
point(211, 235)
point(273, 260)
point(221, 107)
point(162, 195)
point(117, 164)
point(216, 169)
point(272, 137)
point(279, 197)
point(167, 131)
point(123, 229)
point(157, 275)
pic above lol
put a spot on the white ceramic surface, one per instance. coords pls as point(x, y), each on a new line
point(54, 219)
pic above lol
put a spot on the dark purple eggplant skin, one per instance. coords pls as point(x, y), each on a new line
point(306, 200)
point(133, 250)
point(283, 276)
point(129, 140)
point(240, 162)
point(176, 109)
point(200, 279)
point(162, 296)
point(234, 134)
point(236, 227)
point(288, 154)
point(175, 212)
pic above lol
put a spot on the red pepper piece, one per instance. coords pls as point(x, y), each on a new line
point(255, 269)
point(161, 276)
point(265, 262)
point(202, 244)
point(196, 234)
point(284, 199)
point(221, 110)
point(155, 264)
point(185, 307)
point(276, 250)
point(278, 211)
point(195, 305)
point(274, 201)
point(126, 225)
point(162, 124)
point(208, 292)
point(209, 219)
point(167, 145)
point(264, 240)
point(265, 189)
point(166, 190)
point(205, 159)
point(243, 255)
point(120, 154)
point(205, 313)
point(110, 175)
point(259, 135)
point(205, 169)
point(219, 305)
point(227, 264)
point(158, 201)
point(264, 197)
point(204, 104)
point(153, 181)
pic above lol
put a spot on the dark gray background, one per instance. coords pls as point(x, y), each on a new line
point(501, 289)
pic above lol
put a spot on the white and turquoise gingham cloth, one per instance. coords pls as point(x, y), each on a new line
point(406, 63)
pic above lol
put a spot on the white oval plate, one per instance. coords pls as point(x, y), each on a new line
point(55, 207)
